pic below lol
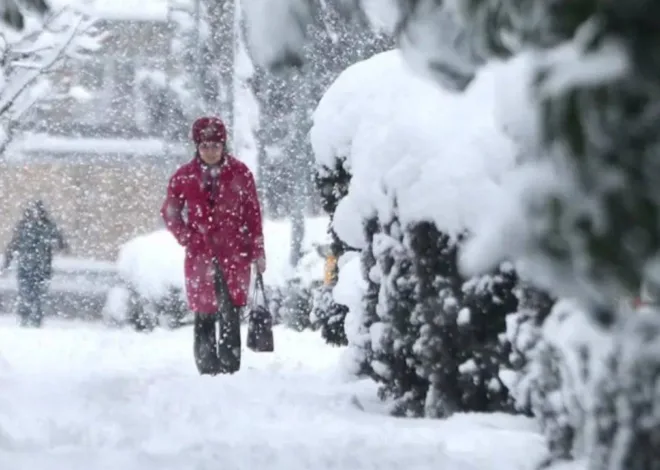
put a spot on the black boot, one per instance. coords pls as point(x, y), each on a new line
point(229, 340)
point(229, 343)
point(205, 344)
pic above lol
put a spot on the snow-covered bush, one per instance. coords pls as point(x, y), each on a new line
point(329, 316)
point(544, 385)
point(151, 267)
point(523, 333)
point(623, 423)
point(295, 298)
point(116, 307)
point(420, 178)
point(594, 392)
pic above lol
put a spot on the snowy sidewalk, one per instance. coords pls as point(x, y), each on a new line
point(79, 396)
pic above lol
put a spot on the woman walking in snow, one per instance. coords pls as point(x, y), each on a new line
point(212, 209)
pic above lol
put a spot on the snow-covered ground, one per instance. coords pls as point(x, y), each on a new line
point(80, 396)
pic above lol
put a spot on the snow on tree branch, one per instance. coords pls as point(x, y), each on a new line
point(29, 56)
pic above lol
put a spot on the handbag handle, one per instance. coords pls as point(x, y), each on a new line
point(259, 286)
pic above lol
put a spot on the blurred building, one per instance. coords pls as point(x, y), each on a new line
point(100, 156)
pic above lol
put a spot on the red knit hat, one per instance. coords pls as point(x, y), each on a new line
point(209, 129)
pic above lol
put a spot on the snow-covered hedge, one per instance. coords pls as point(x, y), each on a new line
point(295, 298)
point(593, 391)
point(425, 165)
point(153, 290)
point(430, 169)
point(151, 268)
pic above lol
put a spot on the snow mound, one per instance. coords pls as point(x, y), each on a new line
point(152, 264)
point(116, 305)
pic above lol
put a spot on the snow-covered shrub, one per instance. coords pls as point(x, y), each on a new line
point(540, 386)
point(332, 185)
point(593, 391)
point(296, 305)
point(151, 267)
point(295, 296)
point(623, 421)
point(419, 180)
point(583, 212)
point(438, 311)
point(115, 309)
point(566, 376)
point(394, 334)
point(329, 316)
point(436, 345)
point(485, 303)
point(523, 334)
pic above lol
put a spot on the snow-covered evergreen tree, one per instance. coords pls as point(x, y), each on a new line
point(460, 349)
point(436, 339)
point(524, 331)
point(486, 302)
point(394, 334)
point(540, 385)
point(623, 423)
point(415, 336)
point(329, 316)
point(436, 313)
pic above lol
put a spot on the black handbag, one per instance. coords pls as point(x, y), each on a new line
point(260, 322)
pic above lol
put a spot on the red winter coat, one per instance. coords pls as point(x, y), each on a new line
point(223, 223)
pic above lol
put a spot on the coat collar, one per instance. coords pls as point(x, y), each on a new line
point(200, 167)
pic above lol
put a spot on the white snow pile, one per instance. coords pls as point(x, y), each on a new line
point(433, 154)
point(152, 264)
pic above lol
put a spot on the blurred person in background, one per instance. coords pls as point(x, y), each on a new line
point(32, 244)
point(212, 209)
